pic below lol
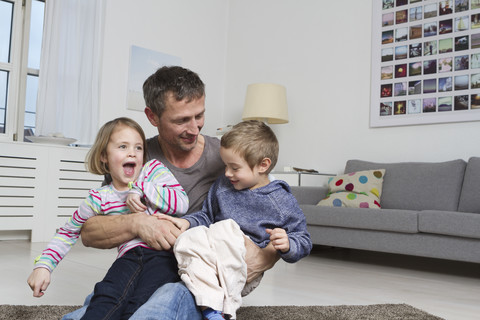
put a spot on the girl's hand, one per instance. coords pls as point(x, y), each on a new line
point(134, 203)
point(279, 239)
point(38, 281)
point(181, 224)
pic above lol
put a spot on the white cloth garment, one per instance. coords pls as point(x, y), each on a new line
point(212, 265)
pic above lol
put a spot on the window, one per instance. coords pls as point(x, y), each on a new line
point(21, 31)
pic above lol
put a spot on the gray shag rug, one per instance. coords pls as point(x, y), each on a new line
point(368, 312)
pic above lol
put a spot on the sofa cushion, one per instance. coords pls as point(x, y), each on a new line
point(470, 195)
point(404, 221)
point(450, 223)
point(360, 189)
point(417, 185)
point(367, 181)
point(309, 194)
point(351, 200)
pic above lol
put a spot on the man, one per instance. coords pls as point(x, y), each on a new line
point(175, 99)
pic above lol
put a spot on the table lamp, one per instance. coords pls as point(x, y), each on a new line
point(266, 102)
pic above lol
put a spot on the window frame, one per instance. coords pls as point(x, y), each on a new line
point(18, 71)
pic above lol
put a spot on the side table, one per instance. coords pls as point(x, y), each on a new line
point(278, 174)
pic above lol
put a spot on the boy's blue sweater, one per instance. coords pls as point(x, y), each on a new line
point(271, 206)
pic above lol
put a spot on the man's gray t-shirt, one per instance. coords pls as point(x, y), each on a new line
point(197, 179)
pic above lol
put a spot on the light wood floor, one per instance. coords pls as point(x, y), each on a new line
point(447, 289)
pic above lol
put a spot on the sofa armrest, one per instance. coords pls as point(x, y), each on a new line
point(309, 195)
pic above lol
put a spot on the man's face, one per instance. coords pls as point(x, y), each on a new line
point(181, 122)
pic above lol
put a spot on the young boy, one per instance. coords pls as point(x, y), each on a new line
point(242, 203)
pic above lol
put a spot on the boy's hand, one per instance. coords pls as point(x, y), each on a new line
point(38, 281)
point(279, 239)
point(134, 203)
point(181, 224)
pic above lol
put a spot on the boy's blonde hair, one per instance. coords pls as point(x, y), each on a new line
point(93, 160)
point(253, 140)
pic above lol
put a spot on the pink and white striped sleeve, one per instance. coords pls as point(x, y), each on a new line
point(161, 190)
point(67, 236)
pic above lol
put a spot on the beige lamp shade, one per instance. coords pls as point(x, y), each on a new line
point(266, 102)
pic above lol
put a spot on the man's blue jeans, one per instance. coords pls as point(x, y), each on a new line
point(172, 301)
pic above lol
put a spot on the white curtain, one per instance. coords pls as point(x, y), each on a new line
point(70, 68)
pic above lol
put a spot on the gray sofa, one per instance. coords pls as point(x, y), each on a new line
point(428, 209)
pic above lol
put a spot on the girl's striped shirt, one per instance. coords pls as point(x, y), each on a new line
point(156, 185)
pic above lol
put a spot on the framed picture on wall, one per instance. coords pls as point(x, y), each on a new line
point(425, 62)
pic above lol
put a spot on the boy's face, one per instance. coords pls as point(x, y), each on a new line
point(239, 172)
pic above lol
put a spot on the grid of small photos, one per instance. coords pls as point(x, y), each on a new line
point(430, 57)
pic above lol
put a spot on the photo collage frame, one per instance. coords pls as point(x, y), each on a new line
point(425, 62)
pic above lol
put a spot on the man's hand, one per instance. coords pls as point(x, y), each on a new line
point(105, 232)
point(38, 281)
point(259, 260)
point(159, 234)
point(182, 224)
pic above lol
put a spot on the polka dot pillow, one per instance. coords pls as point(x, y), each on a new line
point(361, 189)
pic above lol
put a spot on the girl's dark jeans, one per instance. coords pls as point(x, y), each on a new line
point(130, 282)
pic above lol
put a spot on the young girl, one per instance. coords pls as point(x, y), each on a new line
point(139, 270)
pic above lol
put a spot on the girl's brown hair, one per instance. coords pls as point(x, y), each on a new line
point(98, 151)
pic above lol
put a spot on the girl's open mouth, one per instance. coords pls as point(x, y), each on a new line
point(129, 169)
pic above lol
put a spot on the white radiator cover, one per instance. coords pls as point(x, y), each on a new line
point(40, 187)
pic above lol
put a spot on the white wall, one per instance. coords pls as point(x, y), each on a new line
point(320, 50)
point(195, 31)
